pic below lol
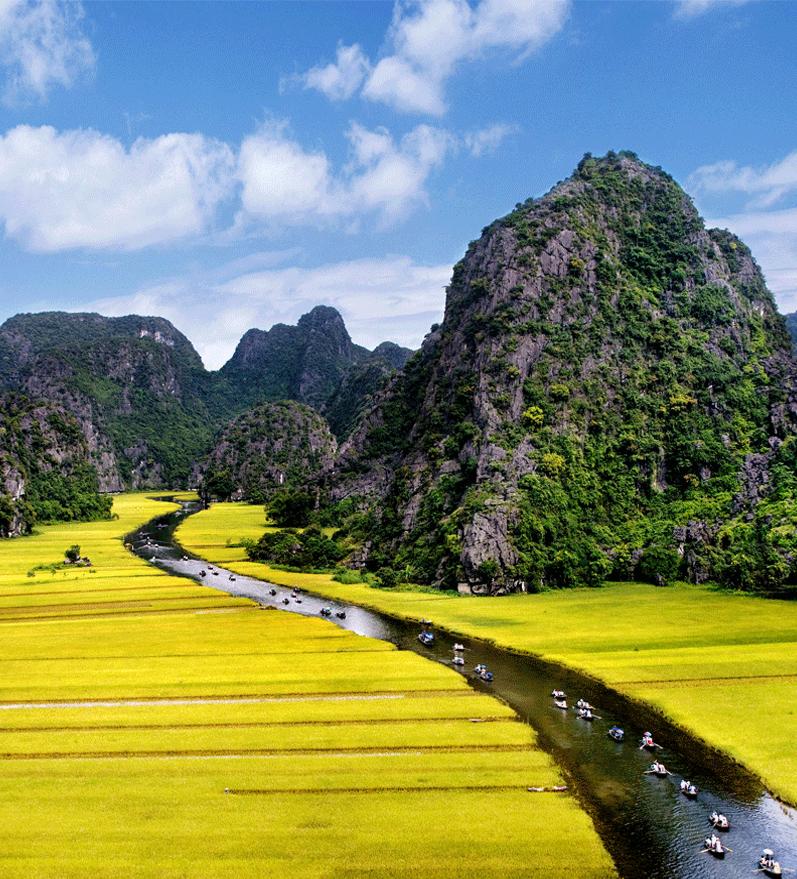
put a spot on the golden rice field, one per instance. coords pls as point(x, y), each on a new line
point(723, 666)
point(150, 727)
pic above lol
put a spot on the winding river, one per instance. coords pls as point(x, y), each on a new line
point(651, 830)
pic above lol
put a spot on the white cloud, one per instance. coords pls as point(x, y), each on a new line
point(41, 46)
point(281, 181)
point(84, 189)
point(769, 183)
point(340, 79)
point(692, 8)
point(426, 42)
point(485, 141)
point(392, 298)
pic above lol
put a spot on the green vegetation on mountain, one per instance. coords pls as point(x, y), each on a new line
point(314, 362)
point(610, 395)
point(147, 407)
point(272, 447)
point(45, 474)
point(136, 385)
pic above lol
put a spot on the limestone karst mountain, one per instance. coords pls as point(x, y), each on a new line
point(610, 393)
point(146, 406)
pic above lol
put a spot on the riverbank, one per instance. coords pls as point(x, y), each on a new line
point(722, 666)
point(154, 727)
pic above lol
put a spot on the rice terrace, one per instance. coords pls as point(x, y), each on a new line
point(398, 439)
point(161, 728)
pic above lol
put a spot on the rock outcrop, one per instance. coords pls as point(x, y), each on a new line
point(604, 372)
point(148, 409)
point(314, 362)
point(45, 469)
point(791, 325)
point(135, 385)
point(273, 446)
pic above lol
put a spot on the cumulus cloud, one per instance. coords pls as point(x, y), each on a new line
point(340, 79)
point(281, 181)
point(391, 298)
point(426, 42)
point(84, 189)
point(687, 9)
point(485, 141)
point(41, 46)
point(769, 184)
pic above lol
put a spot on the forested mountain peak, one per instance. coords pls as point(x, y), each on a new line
point(610, 387)
point(147, 407)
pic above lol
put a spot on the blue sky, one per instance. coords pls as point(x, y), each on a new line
point(229, 165)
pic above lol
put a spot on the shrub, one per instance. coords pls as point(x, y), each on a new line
point(310, 548)
point(387, 578)
point(533, 417)
point(659, 564)
point(552, 464)
point(291, 508)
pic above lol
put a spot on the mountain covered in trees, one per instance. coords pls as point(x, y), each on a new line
point(271, 447)
point(791, 325)
point(611, 394)
point(147, 408)
point(45, 471)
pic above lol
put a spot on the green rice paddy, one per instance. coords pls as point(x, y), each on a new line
point(152, 727)
point(723, 666)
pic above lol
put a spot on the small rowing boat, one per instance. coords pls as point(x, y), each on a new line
point(482, 672)
point(719, 821)
point(688, 789)
point(426, 638)
point(616, 733)
point(768, 865)
point(713, 845)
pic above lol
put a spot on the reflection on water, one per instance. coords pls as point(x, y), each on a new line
point(650, 828)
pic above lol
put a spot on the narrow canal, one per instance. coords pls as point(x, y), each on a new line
point(651, 830)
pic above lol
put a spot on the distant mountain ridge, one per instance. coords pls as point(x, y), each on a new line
point(311, 363)
point(146, 406)
point(791, 326)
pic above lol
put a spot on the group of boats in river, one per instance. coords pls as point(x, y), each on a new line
point(712, 844)
point(480, 670)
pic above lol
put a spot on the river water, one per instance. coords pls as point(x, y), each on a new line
point(651, 830)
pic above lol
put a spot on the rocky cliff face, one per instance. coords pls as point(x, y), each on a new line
point(45, 469)
point(606, 372)
point(123, 379)
point(146, 406)
point(274, 445)
point(315, 363)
